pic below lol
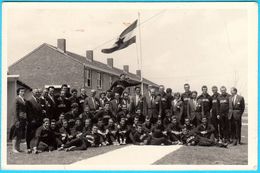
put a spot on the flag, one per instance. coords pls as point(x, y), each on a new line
point(125, 39)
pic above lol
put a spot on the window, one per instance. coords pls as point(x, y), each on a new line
point(87, 78)
point(110, 80)
point(99, 80)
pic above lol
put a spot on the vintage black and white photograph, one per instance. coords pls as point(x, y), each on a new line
point(129, 86)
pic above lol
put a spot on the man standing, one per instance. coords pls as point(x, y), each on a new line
point(17, 131)
point(51, 104)
point(120, 85)
point(236, 110)
point(34, 118)
point(223, 113)
point(164, 103)
point(206, 102)
point(154, 107)
point(92, 102)
point(185, 97)
point(215, 118)
point(115, 107)
point(81, 99)
point(138, 102)
point(194, 109)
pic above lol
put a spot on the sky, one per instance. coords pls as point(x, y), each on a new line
point(195, 44)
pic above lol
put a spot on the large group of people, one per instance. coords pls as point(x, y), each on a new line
point(75, 121)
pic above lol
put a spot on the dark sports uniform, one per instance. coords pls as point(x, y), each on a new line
point(223, 112)
point(216, 122)
point(206, 105)
point(120, 85)
point(185, 97)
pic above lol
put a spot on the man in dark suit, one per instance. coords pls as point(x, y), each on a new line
point(194, 109)
point(120, 85)
point(19, 118)
point(185, 97)
point(177, 106)
point(74, 96)
point(164, 103)
point(51, 104)
point(138, 102)
point(236, 110)
point(115, 107)
point(92, 102)
point(81, 99)
point(154, 107)
point(34, 118)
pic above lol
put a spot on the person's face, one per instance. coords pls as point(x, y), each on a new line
point(174, 121)
point(117, 96)
point(78, 123)
point(74, 94)
point(93, 93)
point(65, 89)
point(122, 77)
point(136, 120)
point(223, 91)
point(233, 92)
point(45, 93)
point(186, 88)
point(83, 91)
point(176, 96)
point(87, 123)
point(139, 129)
point(110, 122)
point(204, 121)
point(137, 90)
point(100, 122)
point(152, 92)
point(53, 125)
point(194, 95)
point(46, 124)
point(86, 109)
point(214, 90)
point(147, 121)
point(62, 93)
point(102, 96)
point(62, 117)
point(21, 92)
point(75, 110)
point(184, 131)
point(161, 89)
point(187, 121)
point(204, 90)
point(159, 122)
point(138, 111)
point(65, 124)
point(95, 129)
point(51, 91)
point(106, 107)
point(108, 94)
point(122, 122)
point(125, 96)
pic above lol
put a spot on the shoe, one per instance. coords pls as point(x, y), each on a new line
point(29, 151)
point(15, 151)
point(60, 149)
point(234, 143)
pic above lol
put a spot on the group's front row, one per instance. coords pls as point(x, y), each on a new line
point(68, 136)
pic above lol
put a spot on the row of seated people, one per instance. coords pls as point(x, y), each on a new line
point(68, 136)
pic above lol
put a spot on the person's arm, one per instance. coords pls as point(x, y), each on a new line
point(113, 85)
point(242, 103)
point(130, 83)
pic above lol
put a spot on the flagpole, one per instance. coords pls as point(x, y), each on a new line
point(140, 54)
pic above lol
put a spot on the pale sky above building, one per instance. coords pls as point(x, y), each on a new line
point(196, 44)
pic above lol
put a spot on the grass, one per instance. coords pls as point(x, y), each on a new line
point(196, 155)
point(55, 157)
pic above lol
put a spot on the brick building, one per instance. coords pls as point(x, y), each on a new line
point(50, 65)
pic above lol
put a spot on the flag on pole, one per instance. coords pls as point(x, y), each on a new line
point(125, 39)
